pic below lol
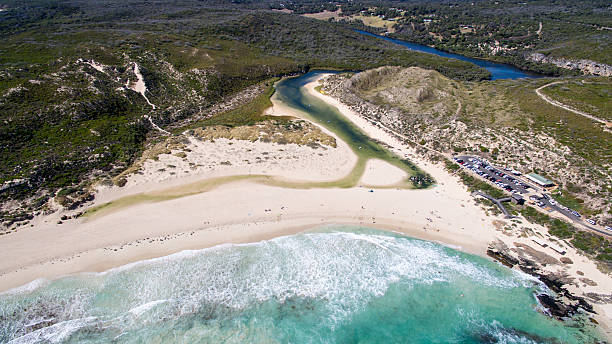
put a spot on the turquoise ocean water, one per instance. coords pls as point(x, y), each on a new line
point(334, 285)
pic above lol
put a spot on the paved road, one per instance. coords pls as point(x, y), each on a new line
point(497, 202)
point(546, 200)
point(570, 215)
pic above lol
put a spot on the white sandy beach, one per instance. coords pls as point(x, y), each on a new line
point(244, 211)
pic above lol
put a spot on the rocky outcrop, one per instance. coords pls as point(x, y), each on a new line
point(585, 66)
point(562, 304)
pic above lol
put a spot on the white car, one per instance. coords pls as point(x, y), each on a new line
point(590, 221)
point(552, 201)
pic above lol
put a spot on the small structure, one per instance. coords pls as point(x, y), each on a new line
point(539, 242)
point(518, 199)
point(557, 249)
point(541, 181)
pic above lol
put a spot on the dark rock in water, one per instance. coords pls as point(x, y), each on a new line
point(498, 250)
point(489, 338)
point(565, 304)
point(503, 258)
point(585, 305)
point(555, 308)
point(552, 281)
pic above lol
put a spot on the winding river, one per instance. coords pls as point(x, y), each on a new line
point(497, 70)
point(292, 92)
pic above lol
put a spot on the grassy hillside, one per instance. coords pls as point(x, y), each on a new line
point(592, 95)
point(503, 120)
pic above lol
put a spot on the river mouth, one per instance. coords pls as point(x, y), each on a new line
point(292, 92)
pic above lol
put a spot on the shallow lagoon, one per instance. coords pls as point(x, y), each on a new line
point(291, 92)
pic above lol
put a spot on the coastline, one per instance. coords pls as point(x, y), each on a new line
point(159, 229)
point(242, 212)
point(101, 260)
point(88, 244)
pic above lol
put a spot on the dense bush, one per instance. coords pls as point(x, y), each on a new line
point(319, 44)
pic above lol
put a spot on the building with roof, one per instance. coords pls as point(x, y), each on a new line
point(518, 199)
point(541, 181)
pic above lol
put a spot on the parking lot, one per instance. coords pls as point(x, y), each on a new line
point(501, 178)
point(510, 181)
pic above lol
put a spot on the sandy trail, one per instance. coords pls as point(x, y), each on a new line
point(565, 107)
point(140, 87)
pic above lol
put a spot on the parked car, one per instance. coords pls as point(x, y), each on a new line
point(591, 221)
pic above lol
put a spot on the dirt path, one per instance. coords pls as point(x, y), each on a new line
point(140, 87)
point(565, 107)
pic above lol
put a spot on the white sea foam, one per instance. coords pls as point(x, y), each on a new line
point(139, 310)
point(503, 336)
point(55, 333)
point(27, 288)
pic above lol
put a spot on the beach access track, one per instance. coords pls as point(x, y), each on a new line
point(497, 202)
